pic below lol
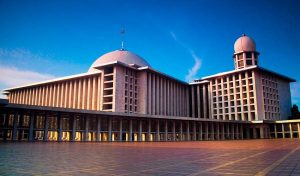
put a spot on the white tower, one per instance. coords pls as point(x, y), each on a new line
point(245, 54)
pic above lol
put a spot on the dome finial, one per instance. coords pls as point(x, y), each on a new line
point(122, 35)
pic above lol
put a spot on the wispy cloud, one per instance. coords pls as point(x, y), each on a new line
point(295, 91)
point(39, 62)
point(192, 72)
point(12, 76)
point(173, 35)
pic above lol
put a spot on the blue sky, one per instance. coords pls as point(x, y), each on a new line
point(45, 39)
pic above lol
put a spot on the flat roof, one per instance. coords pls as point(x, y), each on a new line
point(54, 80)
point(245, 69)
point(137, 67)
point(114, 114)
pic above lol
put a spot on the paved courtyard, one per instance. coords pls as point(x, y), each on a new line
point(248, 157)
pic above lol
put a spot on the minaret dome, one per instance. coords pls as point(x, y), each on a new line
point(245, 54)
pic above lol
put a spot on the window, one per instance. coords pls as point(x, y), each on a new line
point(240, 56)
point(249, 62)
point(241, 63)
point(248, 55)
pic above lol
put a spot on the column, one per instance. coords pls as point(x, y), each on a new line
point(188, 130)
point(218, 131)
point(223, 131)
point(174, 131)
point(86, 131)
point(98, 129)
point(15, 126)
point(206, 130)
point(181, 135)
point(232, 131)
point(166, 130)
point(121, 131)
point(200, 131)
point(248, 131)
point(59, 118)
point(109, 129)
point(194, 131)
point(73, 128)
point(198, 101)
point(193, 102)
point(275, 130)
point(31, 126)
point(237, 131)
point(46, 128)
point(149, 129)
point(140, 131)
point(298, 127)
point(241, 131)
point(291, 131)
point(94, 96)
point(212, 131)
point(283, 131)
point(130, 130)
point(157, 131)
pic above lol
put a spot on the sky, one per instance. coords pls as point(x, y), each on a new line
point(186, 39)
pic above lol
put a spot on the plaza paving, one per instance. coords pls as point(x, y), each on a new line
point(248, 157)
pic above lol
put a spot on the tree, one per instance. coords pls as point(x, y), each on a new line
point(295, 112)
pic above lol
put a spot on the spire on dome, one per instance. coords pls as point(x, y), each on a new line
point(122, 35)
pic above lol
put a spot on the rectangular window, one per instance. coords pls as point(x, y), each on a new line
point(249, 62)
point(248, 55)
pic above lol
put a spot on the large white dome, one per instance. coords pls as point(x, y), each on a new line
point(244, 43)
point(123, 56)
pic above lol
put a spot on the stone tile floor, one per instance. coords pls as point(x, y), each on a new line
point(247, 157)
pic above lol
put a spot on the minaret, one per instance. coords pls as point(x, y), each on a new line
point(245, 54)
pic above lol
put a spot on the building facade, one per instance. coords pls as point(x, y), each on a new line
point(122, 98)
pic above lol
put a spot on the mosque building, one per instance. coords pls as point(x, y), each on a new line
point(122, 98)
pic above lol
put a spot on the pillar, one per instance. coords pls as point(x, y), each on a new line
point(262, 133)
point(218, 131)
point(157, 131)
point(241, 131)
point(74, 128)
point(275, 131)
point(232, 131)
point(248, 132)
point(140, 130)
point(181, 135)
point(298, 129)
point(237, 134)
point(223, 131)
point(291, 131)
point(188, 131)
point(166, 130)
point(109, 129)
point(31, 127)
point(206, 130)
point(149, 129)
point(15, 127)
point(194, 131)
point(283, 131)
point(130, 130)
point(86, 131)
point(200, 131)
point(98, 129)
point(46, 128)
point(59, 127)
point(121, 131)
point(174, 131)
point(212, 131)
